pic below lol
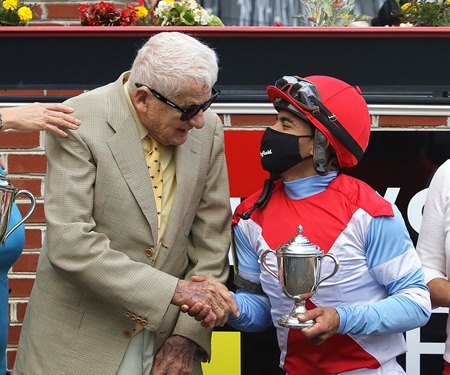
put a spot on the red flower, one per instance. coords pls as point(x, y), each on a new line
point(105, 14)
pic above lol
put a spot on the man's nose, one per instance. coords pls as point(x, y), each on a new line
point(198, 121)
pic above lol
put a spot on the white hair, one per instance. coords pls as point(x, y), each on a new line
point(170, 61)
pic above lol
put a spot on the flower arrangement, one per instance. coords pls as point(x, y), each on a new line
point(183, 13)
point(425, 13)
point(14, 13)
point(330, 13)
point(105, 14)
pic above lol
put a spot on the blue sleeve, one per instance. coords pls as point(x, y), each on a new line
point(393, 262)
point(254, 308)
point(255, 312)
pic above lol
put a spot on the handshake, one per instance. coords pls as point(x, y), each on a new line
point(205, 299)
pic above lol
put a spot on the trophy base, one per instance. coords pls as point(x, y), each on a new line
point(288, 321)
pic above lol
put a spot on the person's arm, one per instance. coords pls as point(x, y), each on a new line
point(394, 263)
point(38, 116)
point(254, 308)
point(254, 312)
point(433, 243)
point(209, 238)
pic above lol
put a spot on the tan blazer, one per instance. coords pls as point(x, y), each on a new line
point(100, 270)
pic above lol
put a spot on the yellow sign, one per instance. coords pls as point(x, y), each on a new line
point(225, 354)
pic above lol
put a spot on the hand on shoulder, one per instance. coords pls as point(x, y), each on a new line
point(50, 117)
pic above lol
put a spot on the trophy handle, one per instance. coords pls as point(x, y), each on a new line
point(336, 267)
point(30, 211)
point(262, 258)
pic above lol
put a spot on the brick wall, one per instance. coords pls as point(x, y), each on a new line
point(25, 162)
point(59, 13)
point(64, 13)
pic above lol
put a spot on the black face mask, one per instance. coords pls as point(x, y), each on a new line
point(279, 151)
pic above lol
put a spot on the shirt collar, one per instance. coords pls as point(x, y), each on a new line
point(305, 187)
point(142, 131)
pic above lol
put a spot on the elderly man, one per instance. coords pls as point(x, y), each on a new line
point(136, 204)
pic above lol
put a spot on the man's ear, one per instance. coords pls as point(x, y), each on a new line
point(140, 99)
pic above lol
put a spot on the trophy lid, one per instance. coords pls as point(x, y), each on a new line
point(300, 245)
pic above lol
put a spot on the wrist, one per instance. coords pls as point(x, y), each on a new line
point(5, 119)
point(177, 298)
point(192, 346)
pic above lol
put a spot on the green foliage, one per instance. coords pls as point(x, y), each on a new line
point(425, 13)
point(329, 13)
point(15, 13)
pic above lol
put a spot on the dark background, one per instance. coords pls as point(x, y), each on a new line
point(388, 70)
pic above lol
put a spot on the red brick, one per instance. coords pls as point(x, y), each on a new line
point(11, 358)
point(21, 308)
point(33, 238)
point(38, 215)
point(18, 163)
point(22, 92)
point(33, 185)
point(64, 92)
point(14, 334)
point(37, 12)
point(17, 139)
point(59, 10)
point(255, 120)
point(27, 262)
point(402, 121)
point(20, 287)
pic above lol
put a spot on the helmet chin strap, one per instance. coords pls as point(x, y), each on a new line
point(263, 198)
point(320, 159)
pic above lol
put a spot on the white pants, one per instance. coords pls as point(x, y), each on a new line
point(138, 359)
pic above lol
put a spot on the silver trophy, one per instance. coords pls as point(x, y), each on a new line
point(8, 194)
point(299, 263)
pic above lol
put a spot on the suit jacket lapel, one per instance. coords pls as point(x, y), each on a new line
point(126, 148)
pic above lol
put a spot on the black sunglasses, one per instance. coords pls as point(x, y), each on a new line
point(188, 112)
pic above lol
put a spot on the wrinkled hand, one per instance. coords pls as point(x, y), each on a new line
point(205, 299)
point(175, 357)
point(326, 324)
point(38, 116)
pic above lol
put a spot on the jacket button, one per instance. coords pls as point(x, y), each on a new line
point(149, 252)
point(127, 314)
point(127, 333)
point(144, 322)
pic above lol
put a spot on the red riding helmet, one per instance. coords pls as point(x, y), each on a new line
point(337, 109)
